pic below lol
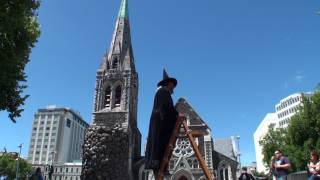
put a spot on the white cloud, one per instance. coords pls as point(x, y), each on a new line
point(299, 78)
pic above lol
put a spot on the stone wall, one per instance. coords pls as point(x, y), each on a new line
point(105, 154)
point(222, 161)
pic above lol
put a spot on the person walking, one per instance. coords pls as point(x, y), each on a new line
point(37, 175)
point(282, 165)
point(245, 175)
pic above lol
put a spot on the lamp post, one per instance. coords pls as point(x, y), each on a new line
point(238, 140)
point(51, 168)
point(17, 170)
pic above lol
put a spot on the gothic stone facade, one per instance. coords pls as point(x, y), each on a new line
point(184, 164)
point(113, 142)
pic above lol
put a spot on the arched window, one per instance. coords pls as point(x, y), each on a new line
point(226, 174)
point(183, 178)
point(107, 97)
point(115, 63)
point(117, 97)
point(108, 65)
point(195, 164)
point(221, 174)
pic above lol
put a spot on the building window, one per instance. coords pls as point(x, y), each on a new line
point(115, 63)
point(68, 123)
point(108, 65)
point(118, 97)
point(107, 97)
point(226, 174)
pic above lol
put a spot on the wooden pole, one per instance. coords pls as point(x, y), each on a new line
point(167, 154)
point(197, 152)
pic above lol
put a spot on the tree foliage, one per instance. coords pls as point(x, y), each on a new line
point(301, 136)
point(8, 165)
point(272, 141)
point(19, 31)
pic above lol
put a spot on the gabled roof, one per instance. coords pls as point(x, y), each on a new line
point(226, 147)
point(186, 109)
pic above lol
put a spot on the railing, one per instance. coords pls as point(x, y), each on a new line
point(301, 175)
point(298, 175)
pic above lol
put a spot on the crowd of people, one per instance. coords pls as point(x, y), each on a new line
point(280, 167)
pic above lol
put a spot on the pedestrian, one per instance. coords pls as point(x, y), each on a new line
point(37, 175)
point(282, 165)
point(314, 166)
point(245, 175)
point(162, 122)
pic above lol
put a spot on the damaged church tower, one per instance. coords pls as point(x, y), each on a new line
point(113, 142)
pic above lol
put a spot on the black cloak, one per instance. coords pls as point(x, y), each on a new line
point(162, 122)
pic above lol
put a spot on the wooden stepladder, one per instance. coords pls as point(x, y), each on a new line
point(172, 141)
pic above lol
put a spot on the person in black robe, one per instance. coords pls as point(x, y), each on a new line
point(162, 122)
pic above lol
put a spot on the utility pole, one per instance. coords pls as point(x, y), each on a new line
point(17, 170)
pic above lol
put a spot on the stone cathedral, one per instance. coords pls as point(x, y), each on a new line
point(112, 147)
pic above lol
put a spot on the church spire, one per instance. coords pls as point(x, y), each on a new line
point(120, 54)
point(124, 12)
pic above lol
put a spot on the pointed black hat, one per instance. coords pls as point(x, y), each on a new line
point(167, 79)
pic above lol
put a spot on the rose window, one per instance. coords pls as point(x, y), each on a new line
point(183, 148)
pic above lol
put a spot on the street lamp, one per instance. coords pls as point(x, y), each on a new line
point(51, 169)
point(238, 140)
point(17, 170)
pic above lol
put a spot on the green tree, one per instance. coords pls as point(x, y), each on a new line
point(301, 136)
point(271, 142)
point(304, 132)
point(19, 31)
point(8, 165)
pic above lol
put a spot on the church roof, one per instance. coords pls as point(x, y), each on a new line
point(185, 108)
point(226, 147)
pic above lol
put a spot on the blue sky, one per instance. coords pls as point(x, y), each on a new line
point(234, 59)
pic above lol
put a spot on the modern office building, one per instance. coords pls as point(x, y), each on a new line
point(288, 107)
point(57, 136)
point(284, 110)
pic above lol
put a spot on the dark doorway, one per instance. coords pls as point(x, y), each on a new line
point(183, 178)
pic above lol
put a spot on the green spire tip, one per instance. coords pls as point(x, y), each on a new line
point(123, 13)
